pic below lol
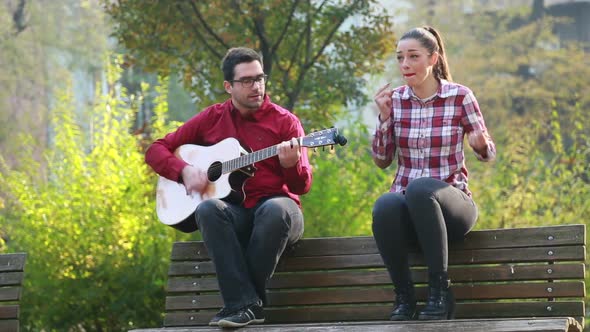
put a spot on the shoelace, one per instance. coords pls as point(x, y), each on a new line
point(224, 312)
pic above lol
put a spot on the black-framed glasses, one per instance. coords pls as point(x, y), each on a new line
point(248, 82)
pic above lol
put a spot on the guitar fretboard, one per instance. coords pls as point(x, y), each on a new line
point(248, 159)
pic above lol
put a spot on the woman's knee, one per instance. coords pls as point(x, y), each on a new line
point(387, 210)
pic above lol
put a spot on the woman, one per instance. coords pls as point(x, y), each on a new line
point(424, 122)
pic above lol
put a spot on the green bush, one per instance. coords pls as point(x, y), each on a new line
point(97, 258)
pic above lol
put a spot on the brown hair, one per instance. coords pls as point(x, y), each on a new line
point(234, 57)
point(432, 41)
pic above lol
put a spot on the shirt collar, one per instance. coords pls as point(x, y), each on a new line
point(443, 91)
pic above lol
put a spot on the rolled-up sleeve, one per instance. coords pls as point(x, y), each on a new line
point(383, 144)
point(473, 121)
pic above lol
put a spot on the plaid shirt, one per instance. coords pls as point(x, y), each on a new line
point(428, 135)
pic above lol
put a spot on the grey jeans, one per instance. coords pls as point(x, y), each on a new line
point(246, 244)
point(431, 213)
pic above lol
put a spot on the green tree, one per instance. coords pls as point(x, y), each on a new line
point(346, 184)
point(316, 52)
point(537, 184)
point(97, 257)
point(512, 59)
point(41, 44)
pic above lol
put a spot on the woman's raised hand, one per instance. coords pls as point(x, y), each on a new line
point(383, 101)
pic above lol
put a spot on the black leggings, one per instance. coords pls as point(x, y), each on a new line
point(432, 213)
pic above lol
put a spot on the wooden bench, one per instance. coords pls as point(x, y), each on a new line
point(524, 279)
point(11, 279)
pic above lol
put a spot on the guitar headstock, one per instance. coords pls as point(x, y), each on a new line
point(324, 137)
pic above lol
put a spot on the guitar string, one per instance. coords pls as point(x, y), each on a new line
point(250, 159)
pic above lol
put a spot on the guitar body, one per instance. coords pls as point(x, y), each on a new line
point(175, 208)
point(227, 166)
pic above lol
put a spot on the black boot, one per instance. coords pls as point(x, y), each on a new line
point(405, 303)
point(441, 302)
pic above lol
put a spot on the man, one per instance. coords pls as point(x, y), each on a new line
point(246, 239)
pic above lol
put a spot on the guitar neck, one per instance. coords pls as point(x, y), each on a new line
point(250, 158)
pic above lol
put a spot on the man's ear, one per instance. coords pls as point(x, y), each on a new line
point(227, 86)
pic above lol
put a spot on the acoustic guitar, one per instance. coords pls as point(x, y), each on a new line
point(228, 166)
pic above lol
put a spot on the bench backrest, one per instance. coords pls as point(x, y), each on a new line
point(524, 272)
point(11, 279)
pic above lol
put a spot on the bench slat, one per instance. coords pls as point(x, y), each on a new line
point(9, 312)
point(550, 324)
point(11, 278)
point(9, 293)
point(497, 238)
point(12, 262)
point(458, 274)
point(386, 294)
point(381, 277)
point(381, 312)
point(482, 256)
point(9, 325)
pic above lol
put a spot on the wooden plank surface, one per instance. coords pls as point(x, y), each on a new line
point(9, 312)
point(11, 278)
point(479, 310)
point(463, 257)
point(458, 274)
point(9, 294)
point(535, 272)
point(9, 325)
point(481, 256)
point(556, 324)
point(369, 295)
point(497, 238)
point(12, 262)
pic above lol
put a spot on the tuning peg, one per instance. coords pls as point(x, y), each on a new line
point(340, 140)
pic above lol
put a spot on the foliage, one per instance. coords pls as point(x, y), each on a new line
point(40, 46)
point(537, 184)
point(346, 184)
point(97, 259)
point(307, 46)
point(513, 61)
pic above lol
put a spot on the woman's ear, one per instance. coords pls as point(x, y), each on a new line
point(434, 58)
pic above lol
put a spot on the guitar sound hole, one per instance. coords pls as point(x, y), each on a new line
point(214, 171)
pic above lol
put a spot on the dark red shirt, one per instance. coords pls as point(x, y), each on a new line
point(269, 126)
